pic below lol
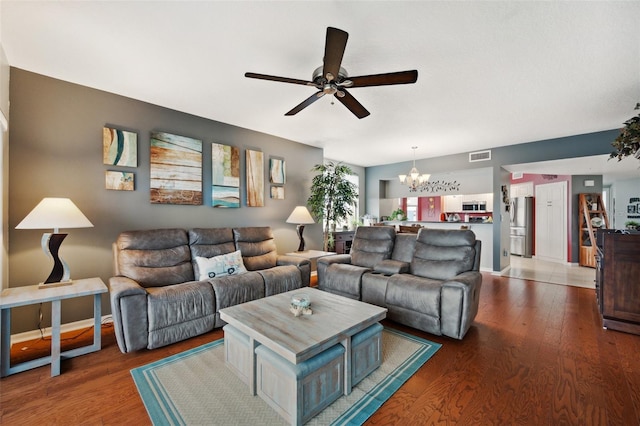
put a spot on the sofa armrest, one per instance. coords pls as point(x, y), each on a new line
point(129, 312)
point(303, 264)
point(460, 298)
point(391, 267)
point(326, 261)
point(292, 260)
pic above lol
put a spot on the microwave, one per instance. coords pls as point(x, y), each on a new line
point(474, 206)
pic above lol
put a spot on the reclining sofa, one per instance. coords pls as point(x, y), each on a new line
point(429, 281)
point(170, 284)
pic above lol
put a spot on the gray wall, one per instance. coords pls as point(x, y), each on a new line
point(56, 150)
point(597, 143)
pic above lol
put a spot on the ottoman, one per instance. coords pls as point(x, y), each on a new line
point(366, 352)
point(298, 392)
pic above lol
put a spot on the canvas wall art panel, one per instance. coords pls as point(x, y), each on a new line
point(119, 181)
point(225, 165)
point(255, 178)
point(119, 147)
point(176, 169)
point(277, 192)
point(277, 172)
point(225, 196)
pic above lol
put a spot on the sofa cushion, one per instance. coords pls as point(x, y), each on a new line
point(371, 244)
point(220, 266)
point(257, 246)
point(403, 247)
point(233, 290)
point(280, 279)
point(442, 254)
point(179, 311)
point(155, 257)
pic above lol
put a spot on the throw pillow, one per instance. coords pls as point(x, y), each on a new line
point(220, 266)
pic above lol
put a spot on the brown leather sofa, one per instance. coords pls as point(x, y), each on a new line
point(161, 294)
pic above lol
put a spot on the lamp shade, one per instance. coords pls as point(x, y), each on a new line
point(55, 213)
point(300, 215)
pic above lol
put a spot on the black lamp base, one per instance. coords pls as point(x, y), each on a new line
point(300, 230)
point(59, 275)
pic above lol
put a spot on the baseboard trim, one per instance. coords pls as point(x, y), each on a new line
point(64, 328)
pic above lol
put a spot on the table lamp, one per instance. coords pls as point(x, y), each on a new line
point(55, 213)
point(301, 216)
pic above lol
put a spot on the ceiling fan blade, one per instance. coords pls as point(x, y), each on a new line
point(334, 47)
point(352, 104)
point(280, 79)
point(401, 77)
point(311, 99)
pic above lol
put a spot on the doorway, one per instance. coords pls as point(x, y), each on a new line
point(551, 222)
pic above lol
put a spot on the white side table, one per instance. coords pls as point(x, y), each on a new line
point(31, 295)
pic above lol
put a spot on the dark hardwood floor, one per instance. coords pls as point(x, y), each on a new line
point(536, 355)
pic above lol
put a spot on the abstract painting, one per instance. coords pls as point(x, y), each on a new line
point(277, 192)
point(176, 169)
point(277, 171)
point(119, 148)
point(255, 178)
point(119, 181)
point(225, 196)
point(225, 165)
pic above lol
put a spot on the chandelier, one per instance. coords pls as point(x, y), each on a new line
point(420, 182)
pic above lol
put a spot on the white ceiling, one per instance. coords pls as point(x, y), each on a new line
point(490, 73)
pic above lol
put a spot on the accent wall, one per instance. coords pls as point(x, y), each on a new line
point(55, 150)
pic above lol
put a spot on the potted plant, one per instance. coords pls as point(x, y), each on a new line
point(332, 197)
point(398, 214)
point(628, 141)
point(632, 225)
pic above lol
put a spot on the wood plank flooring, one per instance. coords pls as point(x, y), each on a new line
point(536, 355)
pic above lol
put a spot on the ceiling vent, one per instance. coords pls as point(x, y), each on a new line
point(517, 175)
point(480, 156)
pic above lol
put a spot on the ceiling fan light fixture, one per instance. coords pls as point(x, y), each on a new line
point(331, 77)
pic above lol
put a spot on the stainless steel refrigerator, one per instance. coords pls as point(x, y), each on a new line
point(521, 212)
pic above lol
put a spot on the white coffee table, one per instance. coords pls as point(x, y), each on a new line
point(268, 321)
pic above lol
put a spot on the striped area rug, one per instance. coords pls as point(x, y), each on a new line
point(196, 388)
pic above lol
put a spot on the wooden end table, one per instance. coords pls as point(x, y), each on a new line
point(31, 295)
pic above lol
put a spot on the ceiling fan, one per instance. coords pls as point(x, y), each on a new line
point(332, 79)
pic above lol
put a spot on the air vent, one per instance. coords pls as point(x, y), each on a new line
point(517, 175)
point(479, 156)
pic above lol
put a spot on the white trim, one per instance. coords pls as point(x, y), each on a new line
point(64, 328)
point(4, 122)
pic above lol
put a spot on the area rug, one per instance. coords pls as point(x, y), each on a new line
point(195, 387)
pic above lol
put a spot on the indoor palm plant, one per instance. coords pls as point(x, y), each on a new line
point(628, 141)
point(332, 197)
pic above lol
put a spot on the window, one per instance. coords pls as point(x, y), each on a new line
point(412, 208)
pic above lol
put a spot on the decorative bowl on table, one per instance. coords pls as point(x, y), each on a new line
point(300, 304)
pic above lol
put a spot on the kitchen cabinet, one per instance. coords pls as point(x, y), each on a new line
point(452, 203)
point(524, 189)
